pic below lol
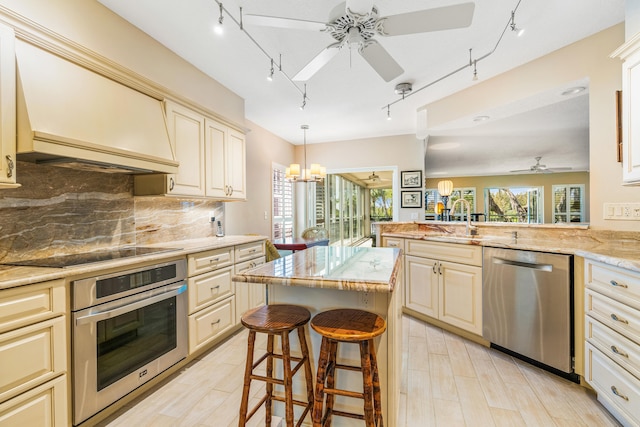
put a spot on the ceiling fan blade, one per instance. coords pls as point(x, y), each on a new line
point(360, 7)
point(559, 169)
point(287, 23)
point(422, 21)
point(380, 60)
point(316, 63)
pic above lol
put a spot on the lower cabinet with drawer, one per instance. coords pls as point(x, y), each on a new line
point(33, 355)
point(612, 334)
point(215, 305)
point(249, 295)
point(444, 281)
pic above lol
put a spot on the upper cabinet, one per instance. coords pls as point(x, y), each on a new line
point(630, 54)
point(211, 155)
point(7, 108)
point(225, 162)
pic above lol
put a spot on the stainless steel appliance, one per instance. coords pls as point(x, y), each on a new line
point(527, 306)
point(127, 327)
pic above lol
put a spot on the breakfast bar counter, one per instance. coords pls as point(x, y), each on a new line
point(325, 277)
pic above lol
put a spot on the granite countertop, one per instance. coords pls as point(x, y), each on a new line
point(620, 252)
point(332, 267)
point(12, 276)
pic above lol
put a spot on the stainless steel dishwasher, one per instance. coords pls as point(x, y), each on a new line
point(527, 306)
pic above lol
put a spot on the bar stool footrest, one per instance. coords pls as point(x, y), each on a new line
point(347, 393)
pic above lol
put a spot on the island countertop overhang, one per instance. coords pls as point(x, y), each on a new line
point(360, 269)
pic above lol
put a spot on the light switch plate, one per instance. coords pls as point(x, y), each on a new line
point(622, 211)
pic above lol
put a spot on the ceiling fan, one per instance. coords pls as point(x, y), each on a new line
point(376, 178)
point(538, 168)
point(355, 23)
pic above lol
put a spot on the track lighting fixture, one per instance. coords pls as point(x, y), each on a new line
point(270, 77)
point(472, 62)
point(519, 31)
point(304, 99)
point(388, 112)
point(219, 28)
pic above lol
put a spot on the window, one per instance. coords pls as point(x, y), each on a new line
point(514, 204)
point(432, 197)
point(345, 213)
point(282, 191)
point(568, 203)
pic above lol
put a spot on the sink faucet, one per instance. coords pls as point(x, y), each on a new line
point(470, 229)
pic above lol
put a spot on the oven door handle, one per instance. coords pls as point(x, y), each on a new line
point(107, 314)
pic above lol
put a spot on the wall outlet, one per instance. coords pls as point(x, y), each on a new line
point(621, 211)
point(212, 216)
point(366, 299)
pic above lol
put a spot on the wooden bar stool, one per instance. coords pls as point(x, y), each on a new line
point(348, 326)
point(278, 319)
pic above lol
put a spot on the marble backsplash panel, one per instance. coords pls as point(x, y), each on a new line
point(63, 211)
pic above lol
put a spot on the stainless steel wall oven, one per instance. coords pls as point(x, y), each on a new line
point(127, 327)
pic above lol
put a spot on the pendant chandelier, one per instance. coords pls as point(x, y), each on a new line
point(315, 173)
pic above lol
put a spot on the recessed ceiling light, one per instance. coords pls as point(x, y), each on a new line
point(573, 90)
point(481, 118)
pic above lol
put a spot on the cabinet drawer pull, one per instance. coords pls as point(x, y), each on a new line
point(214, 260)
point(617, 393)
point(215, 287)
point(172, 184)
point(619, 285)
point(393, 245)
point(10, 166)
point(619, 319)
point(215, 323)
point(434, 269)
point(618, 352)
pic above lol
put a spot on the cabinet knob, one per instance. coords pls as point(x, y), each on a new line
point(617, 393)
point(10, 166)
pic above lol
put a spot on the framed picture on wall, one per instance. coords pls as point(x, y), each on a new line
point(411, 199)
point(411, 179)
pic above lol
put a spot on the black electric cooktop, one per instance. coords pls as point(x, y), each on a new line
point(89, 257)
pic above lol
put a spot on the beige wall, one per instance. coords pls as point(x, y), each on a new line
point(403, 152)
point(524, 180)
point(263, 148)
point(586, 58)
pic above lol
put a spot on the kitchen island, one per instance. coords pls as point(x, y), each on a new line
point(323, 278)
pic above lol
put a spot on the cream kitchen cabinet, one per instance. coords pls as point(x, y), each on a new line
point(225, 162)
point(210, 295)
point(215, 303)
point(612, 333)
point(630, 54)
point(7, 108)
point(211, 154)
point(444, 281)
point(249, 295)
point(33, 355)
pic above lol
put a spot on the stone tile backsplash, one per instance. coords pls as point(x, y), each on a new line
point(60, 211)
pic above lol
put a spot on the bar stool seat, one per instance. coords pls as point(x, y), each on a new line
point(356, 327)
point(278, 319)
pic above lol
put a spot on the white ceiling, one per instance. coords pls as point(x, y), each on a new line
point(347, 98)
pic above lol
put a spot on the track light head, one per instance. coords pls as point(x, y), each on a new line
point(219, 28)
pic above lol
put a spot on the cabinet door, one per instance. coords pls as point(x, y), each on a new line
point(421, 292)
point(216, 163)
point(186, 132)
point(7, 109)
point(460, 296)
point(236, 159)
point(630, 119)
point(42, 406)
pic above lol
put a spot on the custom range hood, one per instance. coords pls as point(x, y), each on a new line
point(70, 116)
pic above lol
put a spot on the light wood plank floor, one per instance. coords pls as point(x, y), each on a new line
point(446, 381)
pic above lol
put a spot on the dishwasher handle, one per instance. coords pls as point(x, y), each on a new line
point(533, 266)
